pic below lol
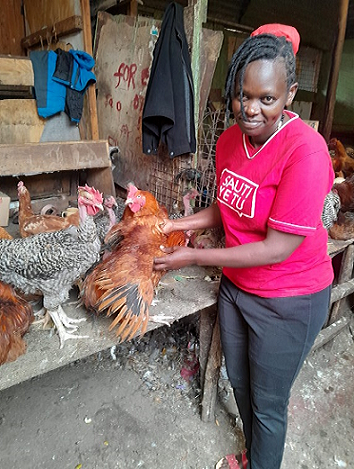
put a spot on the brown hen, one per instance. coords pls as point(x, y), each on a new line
point(31, 223)
point(122, 284)
point(343, 164)
point(345, 191)
point(16, 316)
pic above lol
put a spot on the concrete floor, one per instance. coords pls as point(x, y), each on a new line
point(135, 411)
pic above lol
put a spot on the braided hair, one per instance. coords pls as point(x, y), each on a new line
point(260, 47)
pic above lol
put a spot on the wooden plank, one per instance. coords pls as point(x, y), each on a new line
point(122, 79)
point(133, 8)
point(177, 299)
point(334, 246)
point(14, 92)
point(210, 51)
point(49, 34)
point(102, 179)
point(91, 91)
point(330, 333)
point(37, 158)
point(19, 121)
point(41, 13)
point(206, 327)
point(344, 284)
point(342, 290)
point(16, 71)
point(212, 374)
point(12, 27)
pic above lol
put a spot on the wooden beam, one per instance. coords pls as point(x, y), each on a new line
point(20, 122)
point(330, 333)
point(199, 16)
point(344, 283)
point(51, 33)
point(327, 120)
point(133, 8)
point(212, 373)
point(91, 91)
point(47, 157)
point(16, 71)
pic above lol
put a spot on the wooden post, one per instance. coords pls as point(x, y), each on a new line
point(211, 377)
point(133, 8)
point(327, 121)
point(91, 91)
point(200, 8)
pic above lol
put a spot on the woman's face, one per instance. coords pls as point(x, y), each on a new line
point(265, 95)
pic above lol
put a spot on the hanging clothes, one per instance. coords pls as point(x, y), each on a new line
point(60, 81)
point(168, 114)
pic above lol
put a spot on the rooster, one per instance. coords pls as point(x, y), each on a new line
point(31, 223)
point(122, 284)
point(50, 263)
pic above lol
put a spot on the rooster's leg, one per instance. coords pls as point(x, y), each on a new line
point(63, 333)
point(161, 319)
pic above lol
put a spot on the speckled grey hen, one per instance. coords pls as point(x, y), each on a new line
point(50, 263)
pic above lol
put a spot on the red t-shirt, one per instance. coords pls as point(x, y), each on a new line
point(281, 185)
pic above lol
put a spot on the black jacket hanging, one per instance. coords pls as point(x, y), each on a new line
point(168, 113)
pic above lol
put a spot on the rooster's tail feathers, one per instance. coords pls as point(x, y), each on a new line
point(131, 310)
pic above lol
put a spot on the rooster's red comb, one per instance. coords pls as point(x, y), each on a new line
point(96, 194)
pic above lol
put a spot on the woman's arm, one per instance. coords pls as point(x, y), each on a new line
point(275, 248)
point(206, 218)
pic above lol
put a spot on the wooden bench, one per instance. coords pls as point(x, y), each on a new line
point(183, 293)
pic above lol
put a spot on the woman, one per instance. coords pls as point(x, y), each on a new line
point(273, 172)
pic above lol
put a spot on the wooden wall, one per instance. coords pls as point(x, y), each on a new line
point(12, 28)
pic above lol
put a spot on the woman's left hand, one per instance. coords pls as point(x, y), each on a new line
point(177, 257)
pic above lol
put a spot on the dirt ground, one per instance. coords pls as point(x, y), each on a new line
point(138, 406)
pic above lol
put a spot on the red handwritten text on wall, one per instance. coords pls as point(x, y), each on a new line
point(126, 74)
point(144, 76)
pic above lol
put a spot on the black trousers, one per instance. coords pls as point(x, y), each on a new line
point(265, 342)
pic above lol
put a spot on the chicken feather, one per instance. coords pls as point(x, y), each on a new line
point(51, 262)
point(122, 284)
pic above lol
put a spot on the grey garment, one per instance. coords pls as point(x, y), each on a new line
point(265, 342)
point(58, 128)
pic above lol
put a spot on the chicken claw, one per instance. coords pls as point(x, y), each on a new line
point(68, 322)
point(62, 323)
point(161, 319)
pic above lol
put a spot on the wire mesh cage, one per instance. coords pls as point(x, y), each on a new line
point(172, 178)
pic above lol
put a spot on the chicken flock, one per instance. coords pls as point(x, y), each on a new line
point(338, 208)
point(104, 248)
point(107, 250)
